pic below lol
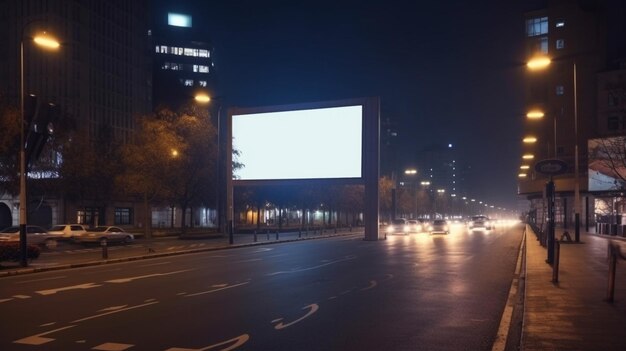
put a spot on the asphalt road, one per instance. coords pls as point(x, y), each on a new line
point(439, 292)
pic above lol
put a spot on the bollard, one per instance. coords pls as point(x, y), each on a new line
point(105, 250)
point(267, 232)
point(610, 293)
point(277, 235)
point(255, 236)
point(555, 265)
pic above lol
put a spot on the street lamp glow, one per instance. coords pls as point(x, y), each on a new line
point(47, 41)
point(202, 98)
point(529, 140)
point(524, 167)
point(174, 153)
point(535, 114)
point(425, 183)
point(537, 63)
point(410, 171)
point(528, 156)
point(441, 191)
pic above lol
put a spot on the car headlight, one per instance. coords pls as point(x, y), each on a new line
point(445, 227)
point(406, 228)
point(430, 227)
point(487, 223)
point(389, 229)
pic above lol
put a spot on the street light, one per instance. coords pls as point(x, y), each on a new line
point(540, 63)
point(48, 42)
point(203, 98)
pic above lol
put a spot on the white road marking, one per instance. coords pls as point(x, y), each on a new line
point(219, 285)
point(130, 279)
point(250, 260)
point(112, 312)
point(371, 286)
point(5, 300)
point(38, 339)
point(21, 297)
point(263, 249)
point(314, 267)
point(111, 346)
point(73, 287)
point(149, 300)
point(215, 290)
point(39, 280)
point(238, 341)
point(112, 308)
point(313, 308)
point(48, 324)
point(154, 264)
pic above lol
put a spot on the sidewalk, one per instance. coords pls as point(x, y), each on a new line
point(572, 314)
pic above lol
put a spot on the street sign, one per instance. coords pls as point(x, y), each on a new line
point(551, 167)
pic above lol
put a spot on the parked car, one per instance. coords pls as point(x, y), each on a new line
point(104, 233)
point(398, 226)
point(35, 235)
point(415, 226)
point(480, 222)
point(439, 226)
point(67, 231)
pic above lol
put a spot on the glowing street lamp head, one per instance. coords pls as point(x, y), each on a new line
point(524, 167)
point(522, 175)
point(47, 41)
point(539, 62)
point(535, 114)
point(202, 98)
point(529, 140)
point(410, 171)
point(528, 156)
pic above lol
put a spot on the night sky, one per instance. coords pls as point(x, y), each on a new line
point(447, 71)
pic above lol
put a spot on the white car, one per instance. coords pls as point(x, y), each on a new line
point(34, 236)
point(67, 231)
point(105, 234)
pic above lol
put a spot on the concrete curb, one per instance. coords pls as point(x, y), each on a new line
point(22, 271)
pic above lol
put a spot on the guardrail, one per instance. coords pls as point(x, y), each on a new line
point(615, 252)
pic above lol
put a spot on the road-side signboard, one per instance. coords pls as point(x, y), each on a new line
point(551, 167)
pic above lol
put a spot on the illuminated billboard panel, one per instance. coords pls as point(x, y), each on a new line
point(607, 164)
point(316, 143)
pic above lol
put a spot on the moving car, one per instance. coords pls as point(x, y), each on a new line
point(67, 231)
point(480, 222)
point(439, 226)
point(398, 226)
point(35, 235)
point(415, 226)
point(104, 234)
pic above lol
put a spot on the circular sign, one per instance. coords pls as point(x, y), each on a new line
point(551, 167)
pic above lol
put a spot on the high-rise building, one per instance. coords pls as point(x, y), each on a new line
point(99, 77)
point(584, 41)
point(183, 63)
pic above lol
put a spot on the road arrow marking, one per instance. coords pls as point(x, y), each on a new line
point(39, 339)
point(371, 286)
point(111, 346)
point(313, 308)
point(73, 287)
point(238, 341)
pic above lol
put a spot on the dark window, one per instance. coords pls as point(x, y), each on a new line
point(123, 215)
point(88, 216)
point(613, 123)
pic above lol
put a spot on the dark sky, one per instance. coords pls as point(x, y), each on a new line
point(446, 71)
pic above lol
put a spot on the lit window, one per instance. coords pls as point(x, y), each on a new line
point(203, 69)
point(195, 68)
point(202, 83)
point(188, 82)
point(188, 52)
point(203, 53)
point(560, 23)
point(195, 52)
point(157, 50)
point(536, 26)
point(560, 43)
point(149, 32)
point(543, 45)
point(560, 90)
point(179, 51)
point(166, 65)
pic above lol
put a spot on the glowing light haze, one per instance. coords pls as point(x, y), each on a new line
point(321, 143)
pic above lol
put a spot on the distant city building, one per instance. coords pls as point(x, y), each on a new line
point(183, 59)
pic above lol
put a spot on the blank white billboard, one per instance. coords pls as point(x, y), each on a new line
point(319, 143)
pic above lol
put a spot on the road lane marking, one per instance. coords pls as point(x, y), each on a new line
point(21, 297)
point(505, 323)
point(313, 308)
point(5, 300)
point(130, 279)
point(154, 264)
point(372, 285)
point(48, 324)
point(73, 287)
point(112, 308)
point(215, 290)
point(250, 260)
point(238, 341)
point(38, 339)
point(111, 346)
point(112, 312)
point(314, 267)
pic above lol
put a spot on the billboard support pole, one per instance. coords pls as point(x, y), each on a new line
point(371, 161)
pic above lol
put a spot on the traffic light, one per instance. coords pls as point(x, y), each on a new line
point(40, 130)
